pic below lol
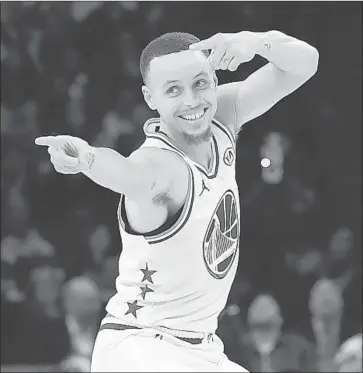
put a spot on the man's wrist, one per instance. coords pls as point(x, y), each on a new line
point(257, 41)
point(263, 41)
point(91, 157)
point(88, 159)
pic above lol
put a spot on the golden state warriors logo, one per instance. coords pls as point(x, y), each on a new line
point(221, 240)
point(228, 157)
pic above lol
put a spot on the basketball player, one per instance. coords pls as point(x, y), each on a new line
point(179, 208)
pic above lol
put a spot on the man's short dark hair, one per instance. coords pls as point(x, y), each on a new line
point(165, 44)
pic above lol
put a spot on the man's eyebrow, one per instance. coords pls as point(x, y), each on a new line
point(200, 74)
point(175, 81)
point(171, 81)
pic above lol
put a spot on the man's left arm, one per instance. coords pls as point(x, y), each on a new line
point(291, 63)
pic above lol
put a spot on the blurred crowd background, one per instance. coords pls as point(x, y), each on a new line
point(72, 68)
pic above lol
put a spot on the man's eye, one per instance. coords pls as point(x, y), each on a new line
point(173, 90)
point(201, 83)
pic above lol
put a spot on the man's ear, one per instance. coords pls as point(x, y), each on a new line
point(147, 97)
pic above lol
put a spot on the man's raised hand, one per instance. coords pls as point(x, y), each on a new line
point(69, 155)
point(228, 51)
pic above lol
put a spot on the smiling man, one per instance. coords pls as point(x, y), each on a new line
point(179, 208)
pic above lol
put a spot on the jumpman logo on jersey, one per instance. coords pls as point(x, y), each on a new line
point(204, 187)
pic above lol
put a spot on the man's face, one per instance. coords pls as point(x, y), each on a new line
point(264, 335)
point(83, 305)
point(265, 321)
point(182, 87)
point(341, 243)
point(82, 301)
point(47, 281)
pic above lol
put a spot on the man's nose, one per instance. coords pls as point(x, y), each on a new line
point(191, 99)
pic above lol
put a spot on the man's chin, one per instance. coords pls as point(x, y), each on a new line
point(195, 139)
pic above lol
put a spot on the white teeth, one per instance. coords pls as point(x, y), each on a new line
point(193, 116)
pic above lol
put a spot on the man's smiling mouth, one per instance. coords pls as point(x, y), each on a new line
point(195, 116)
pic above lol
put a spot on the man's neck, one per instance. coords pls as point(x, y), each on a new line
point(200, 153)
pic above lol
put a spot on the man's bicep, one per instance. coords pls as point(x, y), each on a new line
point(257, 94)
point(262, 90)
point(163, 172)
point(150, 177)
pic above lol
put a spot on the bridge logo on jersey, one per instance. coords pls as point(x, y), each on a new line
point(228, 157)
point(222, 236)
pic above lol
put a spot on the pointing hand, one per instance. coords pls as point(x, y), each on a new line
point(69, 155)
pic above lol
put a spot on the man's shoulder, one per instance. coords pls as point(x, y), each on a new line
point(153, 154)
point(162, 158)
point(172, 176)
point(146, 154)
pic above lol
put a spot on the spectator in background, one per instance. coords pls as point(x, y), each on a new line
point(75, 107)
point(26, 242)
point(343, 265)
point(44, 337)
point(74, 364)
point(309, 265)
point(270, 349)
point(326, 308)
point(349, 355)
point(284, 206)
point(303, 265)
point(274, 148)
point(102, 267)
point(22, 239)
point(24, 299)
point(11, 307)
point(338, 263)
point(82, 305)
point(231, 326)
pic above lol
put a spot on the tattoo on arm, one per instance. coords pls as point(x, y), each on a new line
point(91, 159)
point(267, 46)
point(153, 184)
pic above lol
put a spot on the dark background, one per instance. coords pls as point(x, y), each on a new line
point(72, 68)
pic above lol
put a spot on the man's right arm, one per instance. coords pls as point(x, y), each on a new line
point(139, 176)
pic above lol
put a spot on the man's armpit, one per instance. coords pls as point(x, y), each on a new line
point(160, 191)
point(162, 198)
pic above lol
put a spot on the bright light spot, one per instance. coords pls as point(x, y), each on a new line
point(265, 162)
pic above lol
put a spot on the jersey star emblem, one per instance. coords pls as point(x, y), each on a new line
point(133, 308)
point(145, 289)
point(147, 274)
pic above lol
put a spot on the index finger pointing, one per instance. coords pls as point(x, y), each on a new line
point(46, 141)
point(210, 43)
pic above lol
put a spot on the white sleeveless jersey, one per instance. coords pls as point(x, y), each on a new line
point(179, 276)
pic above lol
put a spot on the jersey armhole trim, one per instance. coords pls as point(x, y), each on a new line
point(184, 216)
point(226, 131)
